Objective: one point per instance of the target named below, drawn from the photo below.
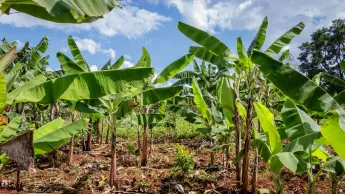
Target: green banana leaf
(205, 39)
(161, 109)
(302, 143)
(67, 65)
(290, 161)
(297, 122)
(263, 149)
(155, 95)
(334, 134)
(333, 80)
(340, 98)
(26, 86)
(78, 57)
(90, 85)
(284, 55)
(266, 119)
(117, 64)
(259, 38)
(296, 86)
(186, 74)
(206, 55)
(10, 79)
(342, 65)
(196, 67)
(4, 48)
(284, 40)
(85, 108)
(199, 100)
(125, 108)
(47, 142)
(183, 81)
(145, 60)
(61, 11)
(10, 130)
(174, 68)
(242, 54)
(226, 97)
(334, 165)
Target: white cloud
(92, 47)
(87, 45)
(93, 68)
(215, 16)
(129, 21)
(49, 69)
(109, 52)
(127, 64)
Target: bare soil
(89, 173)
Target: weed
(184, 162)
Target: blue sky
(153, 24)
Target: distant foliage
(324, 53)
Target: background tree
(324, 53)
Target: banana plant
(60, 11)
(216, 52)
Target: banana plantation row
(245, 101)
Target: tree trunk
(102, 131)
(107, 136)
(238, 131)
(245, 172)
(256, 163)
(144, 154)
(89, 136)
(139, 142)
(70, 151)
(97, 131)
(113, 175)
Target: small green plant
(184, 162)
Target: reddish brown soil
(89, 174)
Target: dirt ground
(89, 173)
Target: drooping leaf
(226, 97)
(42, 46)
(296, 86)
(83, 107)
(10, 130)
(333, 80)
(291, 161)
(259, 38)
(10, 79)
(67, 65)
(90, 85)
(161, 109)
(62, 11)
(125, 108)
(55, 138)
(145, 60)
(172, 69)
(263, 149)
(302, 143)
(334, 134)
(205, 39)
(159, 94)
(334, 165)
(266, 119)
(340, 98)
(297, 122)
(78, 57)
(342, 65)
(285, 39)
(7, 59)
(183, 112)
(199, 100)
(28, 85)
(48, 128)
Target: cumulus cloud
(129, 21)
(216, 16)
(20, 44)
(93, 68)
(91, 46)
(128, 57)
(127, 64)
